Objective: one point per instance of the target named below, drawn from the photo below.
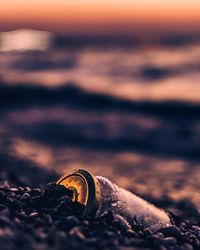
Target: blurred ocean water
(135, 73)
(129, 112)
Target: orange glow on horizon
(88, 13)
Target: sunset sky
(90, 16)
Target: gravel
(35, 218)
(39, 217)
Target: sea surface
(130, 113)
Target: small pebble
(13, 189)
(25, 196)
(188, 246)
(76, 232)
(172, 231)
(36, 218)
(170, 241)
(34, 214)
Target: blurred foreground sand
(142, 174)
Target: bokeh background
(110, 86)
